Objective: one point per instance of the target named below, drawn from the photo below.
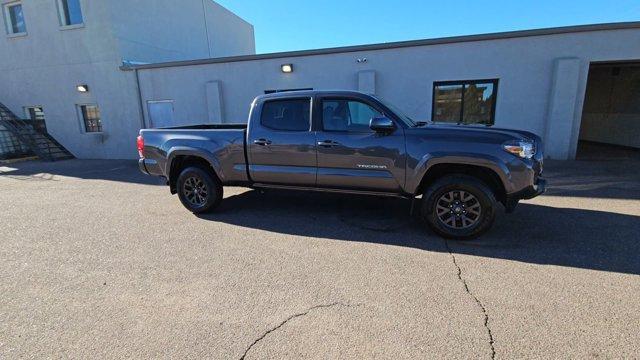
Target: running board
(329, 190)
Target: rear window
(287, 115)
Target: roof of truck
(309, 93)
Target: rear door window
(287, 115)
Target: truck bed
(222, 144)
(207, 127)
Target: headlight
(523, 149)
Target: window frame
(82, 120)
(305, 98)
(9, 23)
(38, 124)
(27, 113)
(278, 91)
(348, 99)
(495, 82)
(62, 17)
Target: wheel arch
(179, 159)
(493, 178)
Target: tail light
(140, 146)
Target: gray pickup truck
(345, 141)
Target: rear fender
(195, 152)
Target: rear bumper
(537, 189)
(149, 167)
(142, 167)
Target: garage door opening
(610, 126)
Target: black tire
(199, 190)
(467, 218)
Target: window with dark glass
(14, 18)
(70, 12)
(347, 115)
(287, 115)
(465, 102)
(91, 118)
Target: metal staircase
(34, 135)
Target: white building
(50, 47)
(565, 84)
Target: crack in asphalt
(291, 318)
(484, 310)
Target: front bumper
(537, 189)
(533, 191)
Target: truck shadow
(536, 234)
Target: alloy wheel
(195, 191)
(458, 209)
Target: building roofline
(396, 45)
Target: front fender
(462, 158)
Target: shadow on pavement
(597, 240)
(109, 170)
(536, 234)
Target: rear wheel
(198, 190)
(459, 207)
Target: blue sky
(285, 25)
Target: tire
(470, 203)
(199, 190)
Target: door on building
(35, 114)
(350, 154)
(610, 125)
(160, 113)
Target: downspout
(141, 106)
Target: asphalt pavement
(100, 261)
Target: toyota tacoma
(349, 142)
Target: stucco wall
(167, 30)
(405, 76)
(48, 45)
(229, 35)
(44, 67)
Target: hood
(470, 129)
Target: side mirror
(382, 125)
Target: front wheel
(459, 207)
(198, 190)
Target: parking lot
(98, 260)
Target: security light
(83, 88)
(287, 68)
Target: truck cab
(325, 140)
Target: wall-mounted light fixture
(287, 68)
(82, 88)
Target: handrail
(33, 128)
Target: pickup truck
(349, 142)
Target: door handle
(262, 142)
(328, 143)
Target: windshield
(407, 120)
